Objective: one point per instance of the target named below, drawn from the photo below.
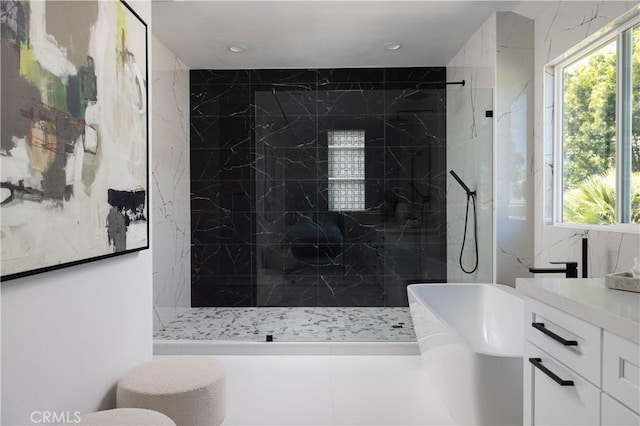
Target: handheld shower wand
(462, 184)
(471, 196)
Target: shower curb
(213, 347)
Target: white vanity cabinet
(549, 402)
(616, 414)
(621, 370)
(577, 373)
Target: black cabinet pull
(537, 362)
(540, 326)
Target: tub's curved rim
(451, 329)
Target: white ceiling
(322, 34)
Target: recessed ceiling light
(392, 46)
(236, 48)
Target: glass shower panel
(332, 268)
(288, 213)
(470, 155)
(415, 225)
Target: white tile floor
(330, 390)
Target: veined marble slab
(171, 197)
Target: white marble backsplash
(171, 214)
(558, 28)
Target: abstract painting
(74, 129)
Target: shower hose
(471, 197)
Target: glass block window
(346, 138)
(346, 170)
(346, 163)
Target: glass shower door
(470, 156)
(287, 196)
(333, 256)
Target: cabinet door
(621, 370)
(553, 404)
(616, 414)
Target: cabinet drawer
(553, 404)
(580, 350)
(621, 370)
(616, 414)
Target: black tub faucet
(571, 271)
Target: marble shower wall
(493, 154)
(470, 153)
(170, 180)
(514, 174)
(262, 231)
(560, 27)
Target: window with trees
(598, 140)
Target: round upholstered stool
(188, 389)
(125, 417)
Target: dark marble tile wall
(222, 189)
(262, 232)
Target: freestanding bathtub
(471, 343)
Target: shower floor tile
(292, 325)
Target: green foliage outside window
(593, 200)
(589, 118)
(589, 137)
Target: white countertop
(616, 311)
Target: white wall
(558, 28)
(171, 186)
(68, 335)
